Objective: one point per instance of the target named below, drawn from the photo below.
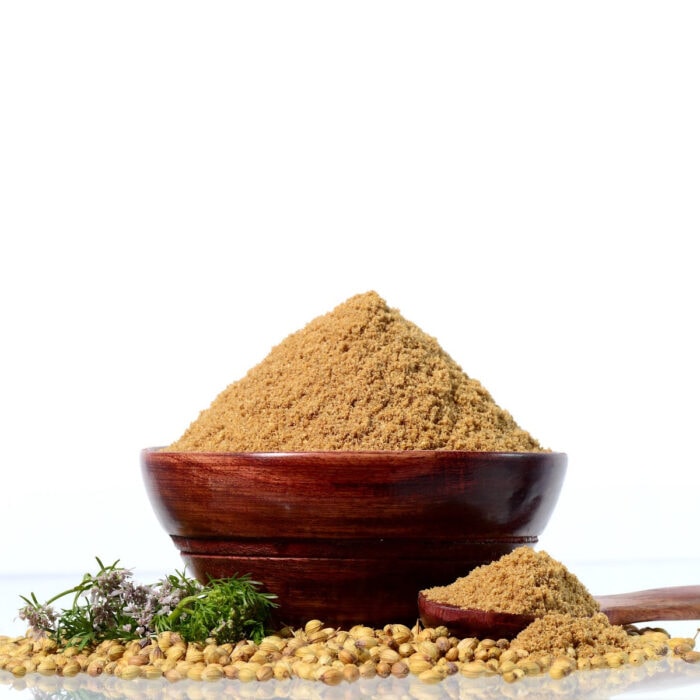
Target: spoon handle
(675, 603)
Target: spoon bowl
(469, 622)
(674, 603)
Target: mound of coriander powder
(360, 377)
(523, 582)
(559, 633)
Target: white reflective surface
(671, 680)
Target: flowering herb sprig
(109, 605)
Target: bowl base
(328, 589)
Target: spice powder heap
(523, 582)
(360, 377)
(558, 633)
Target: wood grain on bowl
(350, 537)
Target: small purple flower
(40, 619)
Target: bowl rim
(359, 453)
(234, 499)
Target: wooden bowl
(350, 537)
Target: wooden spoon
(676, 603)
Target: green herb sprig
(109, 605)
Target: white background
(182, 185)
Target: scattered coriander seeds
(556, 645)
(692, 657)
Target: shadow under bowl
(350, 537)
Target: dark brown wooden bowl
(350, 537)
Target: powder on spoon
(523, 582)
(360, 377)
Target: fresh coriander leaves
(109, 605)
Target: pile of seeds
(333, 656)
(361, 377)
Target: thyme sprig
(109, 605)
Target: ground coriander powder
(582, 637)
(524, 582)
(360, 377)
